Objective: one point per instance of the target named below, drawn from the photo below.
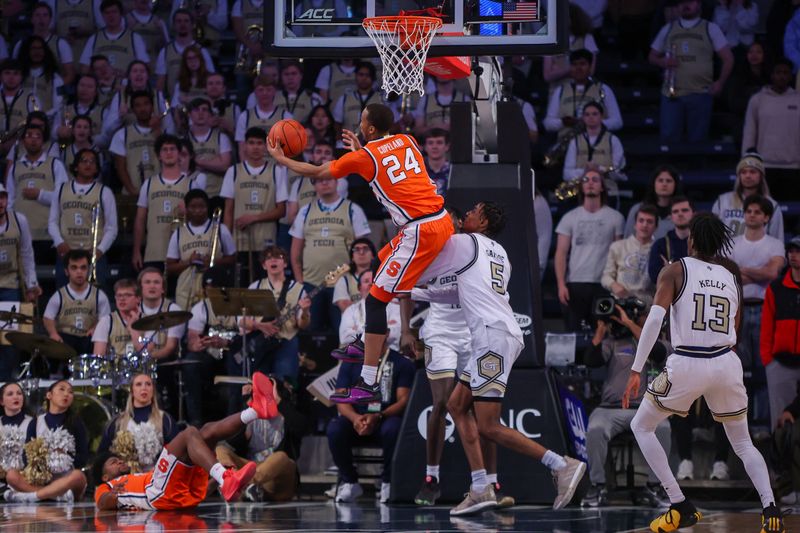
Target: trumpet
(95, 237)
(174, 224)
(669, 72)
(244, 60)
(216, 220)
(569, 189)
(555, 154)
(196, 281)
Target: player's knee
(490, 430)
(13, 476)
(439, 408)
(596, 432)
(375, 311)
(640, 425)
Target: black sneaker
(654, 495)
(429, 492)
(772, 520)
(504, 501)
(360, 393)
(597, 496)
(678, 516)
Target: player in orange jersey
(394, 168)
(180, 477)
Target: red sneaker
(263, 400)
(234, 481)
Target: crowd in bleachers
(144, 124)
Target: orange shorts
(409, 254)
(176, 485)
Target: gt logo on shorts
(393, 269)
(163, 465)
(490, 365)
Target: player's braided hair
(710, 236)
(495, 217)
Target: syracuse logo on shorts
(490, 365)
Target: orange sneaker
(234, 481)
(263, 400)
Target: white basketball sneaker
(685, 470)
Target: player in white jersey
(483, 272)
(448, 348)
(703, 292)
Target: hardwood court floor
(319, 516)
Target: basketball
(290, 135)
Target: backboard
(332, 28)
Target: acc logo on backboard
(316, 15)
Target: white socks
(432, 470)
(248, 415)
(643, 425)
(216, 472)
(553, 461)
(479, 481)
(369, 374)
(21, 497)
(753, 461)
(491, 479)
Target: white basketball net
(403, 44)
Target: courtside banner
(576, 421)
(531, 406)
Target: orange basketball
(290, 134)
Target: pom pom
(37, 472)
(124, 446)
(148, 443)
(61, 450)
(12, 441)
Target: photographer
(614, 346)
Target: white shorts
(684, 379)
(490, 365)
(446, 359)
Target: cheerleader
(66, 451)
(150, 427)
(14, 423)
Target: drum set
(101, 377)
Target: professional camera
(605, 307)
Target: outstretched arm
(298, 167)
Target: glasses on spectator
(87, 160)
(274, 255)
(361, 249)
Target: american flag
(525, 11)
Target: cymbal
(179, 362)
(29, 343)
(10, 316)
(164, 320)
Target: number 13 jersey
(704, 311)
(395, 170)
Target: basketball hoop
(403, 43)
